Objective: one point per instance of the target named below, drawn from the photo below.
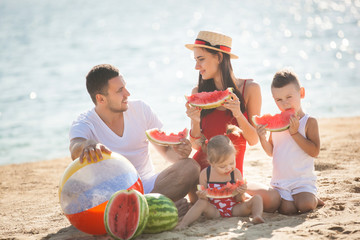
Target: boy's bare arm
(310, 144)
(266, 144)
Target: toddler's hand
(201, 194)
(241, 189)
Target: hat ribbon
(222, 47)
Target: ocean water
(47, 48)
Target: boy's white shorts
(288, 189)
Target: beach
(30, 209)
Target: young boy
(293, 150)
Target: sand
(29, 203)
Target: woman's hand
(233, 104)
(193, 112)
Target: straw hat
(213, 40)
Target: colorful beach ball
(85, 188)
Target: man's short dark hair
(97, 79)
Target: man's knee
(189, 171)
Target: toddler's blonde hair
(220, 147)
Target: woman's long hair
(227, 81)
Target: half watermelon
(161, 138)
(277, 123)
(208, 100)
(223, 192)
(126, 214)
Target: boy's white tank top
(290, 162)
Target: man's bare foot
(257, 220)
(182, 206)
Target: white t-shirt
(133, 144)
(290, 162)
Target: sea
(47, 48)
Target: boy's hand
(260, 129)
(294, 125)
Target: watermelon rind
(211, 105)
(164, 143)
(163, 214)
(286, 126)
(143, 213)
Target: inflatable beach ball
(85, 188)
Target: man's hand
(92, 149)
(183, 149)
(87, 148)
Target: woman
(212, 53)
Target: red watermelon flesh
(224, 192)
(275, 123)
(162, 138)
(208, 100)
(126, 214)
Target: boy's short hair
(97, 79)
(285, 77)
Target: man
(118, 124)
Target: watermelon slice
(277, 123)
(224, 192)
(161, 138)
(126, 214)
(208, 100)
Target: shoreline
(30, 209)
(67, 155)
